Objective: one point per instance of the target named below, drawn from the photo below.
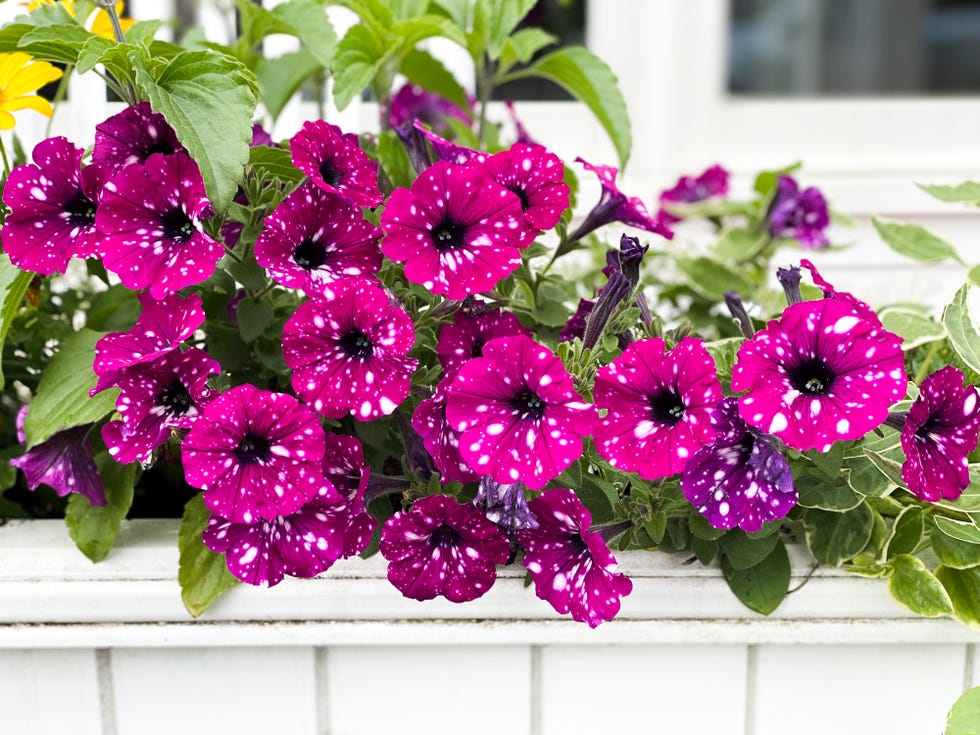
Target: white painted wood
(637, 688)
(815, 690)
(476, 690)
(252, 691)
(42, 690)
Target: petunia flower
(155, 398)
(658, 405)
(465, 338)
(412, 102)
(335, 162)
(440, 439)
(132, 136)
(571, 566)
(575, 327)
(536, 176)
(457, 230)
(940, 431)
(505, 505)
(63, 462)
(518, 413)
(711, 183)
(614, 206)
(52, 208)
(740, 478)
(20, 75)
(862, 308)
(315, 237)
(256, 454)
(443, 547)
(799, 214)
(150, 218)
(523, 136)
(349, 354)
(446, 150)
(820, 374)
(344, 467)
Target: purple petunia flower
(155, 398)
(52, 208)
(457, 230)
(413, 102)
(150, 219)
(505, 505)
(572, 567)
(446, 150)
(315, 237)
(614, 206)
(441, 440)
(536, 176)
(256, 454)
(335, 162)
(464, 339)
(160, 328)
(575, 328)
(301, 544)
(63, 462)
(802, 215)
(260, 136)
(941, 429)
(133, 136)
(688, 189)
(740, 479)
(819, 374)
(518, 413)
(343, 465)
(443, 547)
(348, 354)
(659, 406)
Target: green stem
(109, 6)
(930, 356)
(59, 95)
(485, 84)
(6, 163)
(262, 292)
(234, 256)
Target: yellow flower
(19, 76)
(101, 26)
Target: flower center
(157, 146)
(175, 399)
(310, 255)
(448, 235)
(811, 377)
(444, 537)
(330, 173)
(578, 544)
(356, 345)
(522, 195)
(253, 449)
(667, 407)
(527, 405)
(477, 350)
(177, 226)
(80, 210)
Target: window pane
(859, 47)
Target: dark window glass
(854, 47)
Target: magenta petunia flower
(446, 150)
(335, 162)
(413, 102)
(256, 454)
(740, 479)
(688, 189)
(150, 219)
(799, 214)
(575, 327)
(940, 431)
(571, 566)
(820, 374)
(523, 136)
(457, 230)
(465, 337)
(505, 505)
(659, 406)
(443, 547)
(315, 237)
(132, 136)
(160, 328)
(155, 398)
(862, 308)
(348, 354)
(301, 544)
(63, 462)
(518, 413)
(52, 208)
(343, 465)
(536, 176)
(440, 439)
(614, 206)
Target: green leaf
(724, 352)
(973, 276)
(917, 588)
(92, 52)
(703, 530)
(963, 586)
(281, 77)
(394, 159)
(311, 24)
(764, 586)
(360, 55)
(142, 32)
(954, 552)
(739, 244)
(744, 552)
(62, 398)
(56, 42)
(967, 192)
(963, 334)
(656, 526)
(458, 10)
(827, 494)
(765, 181)
(203, 575)
(403, 9)
(906, 533)
(496, 19)
(890, 468)
(587, 78)
(523, 45)
(830, 462)
(94, 528)
(13, 286)
(274, 163)
(712, 279)
(209, 100)
(915, 329)
(964, 717)
(962, 531)
(914, 241)
(705, 551)
(969, 500)
(424, 69)
(833, 538)
(254, 316)
(247, 272)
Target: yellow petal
(31, 78)
(102, 25)
(7, 121)
(11, 63)
(33, 102)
